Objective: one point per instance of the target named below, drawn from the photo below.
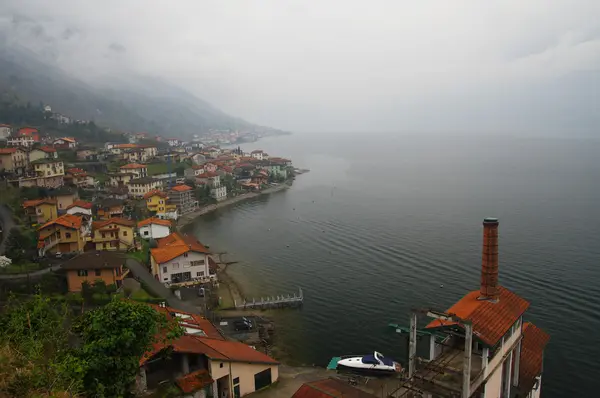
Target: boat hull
(367, 371)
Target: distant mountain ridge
(137, 104)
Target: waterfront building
(179, 258)
(182, 196)
(480, 346)
(203, 363)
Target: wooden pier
(294, 300)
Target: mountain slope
(128, 103)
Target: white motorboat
(375, 363)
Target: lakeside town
(99, 229)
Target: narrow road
(30, 274)
(158, 288)
(7, 222)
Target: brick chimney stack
(489, 262)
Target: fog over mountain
(469, 66)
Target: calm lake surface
(381, 222)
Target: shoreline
(189, 218)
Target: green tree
(35, 359)
(114, 338)
(20, 246)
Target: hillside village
(95, 213)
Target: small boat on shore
(375, 364)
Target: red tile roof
(47, 149)
(81, 203)
(207, 175)
(27, 131)
(194, 381)
(181, 188)
(37, 202)
(154, 220)
(175, 245)
(532, 355)
(328, 388)
(156, 192)
(7, 150)
(133, 166)
(116, 220)
(490, 320)
(68, 139)
(121, 146)
(67, 220)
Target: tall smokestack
(489, 262)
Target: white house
(174, 141)
(5, 130)
(80, 207)
(65, 143)
(258, 154)
(154, 228)
(179, 258)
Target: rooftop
(116, 220)
(81, 203)
(194, 381)
(175, 245)
(37, 202)
(143, 180)
(155, 192)
(66, 220)
(181, 188)
(491, 320)
(94, 260)
(532, 354)
(133, 166)
(154, 220)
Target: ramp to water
(333, 363)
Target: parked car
(242, 324)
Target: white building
(180, 258)
(154, 228)
(80, 207)
(174, 141)
(481, 340)
(23, 140)
(5, 130)
(258, 154)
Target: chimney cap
(490, 220)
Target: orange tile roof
(133, 166)
(532, 355)
(181, 188)
(154, 220)
(7, 150)
(234, 351)
(68, 139)
(194, 381)
(116, 220)
(47, 149)
(156, 192)
(175, 245)
(120, 146)
(66, 220)
(81, 203)
(37, 202)
(490, 320)
(328, 388)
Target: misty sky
(341, 65)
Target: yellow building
(40, 210)
(113, 234)
(13, 159)
(66, 234)
(48, 167)
(156, 201)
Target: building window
(175, 265)
(221, 365)
(145, 233)
(97, 272)
(197, 262)
(67, 235)
(82, 272)
(236, 381)
(165, 270)
(103, 235)
(185, 254)
(201, 273)
(124, 233)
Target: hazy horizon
(486, 67)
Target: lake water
(381, 222)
